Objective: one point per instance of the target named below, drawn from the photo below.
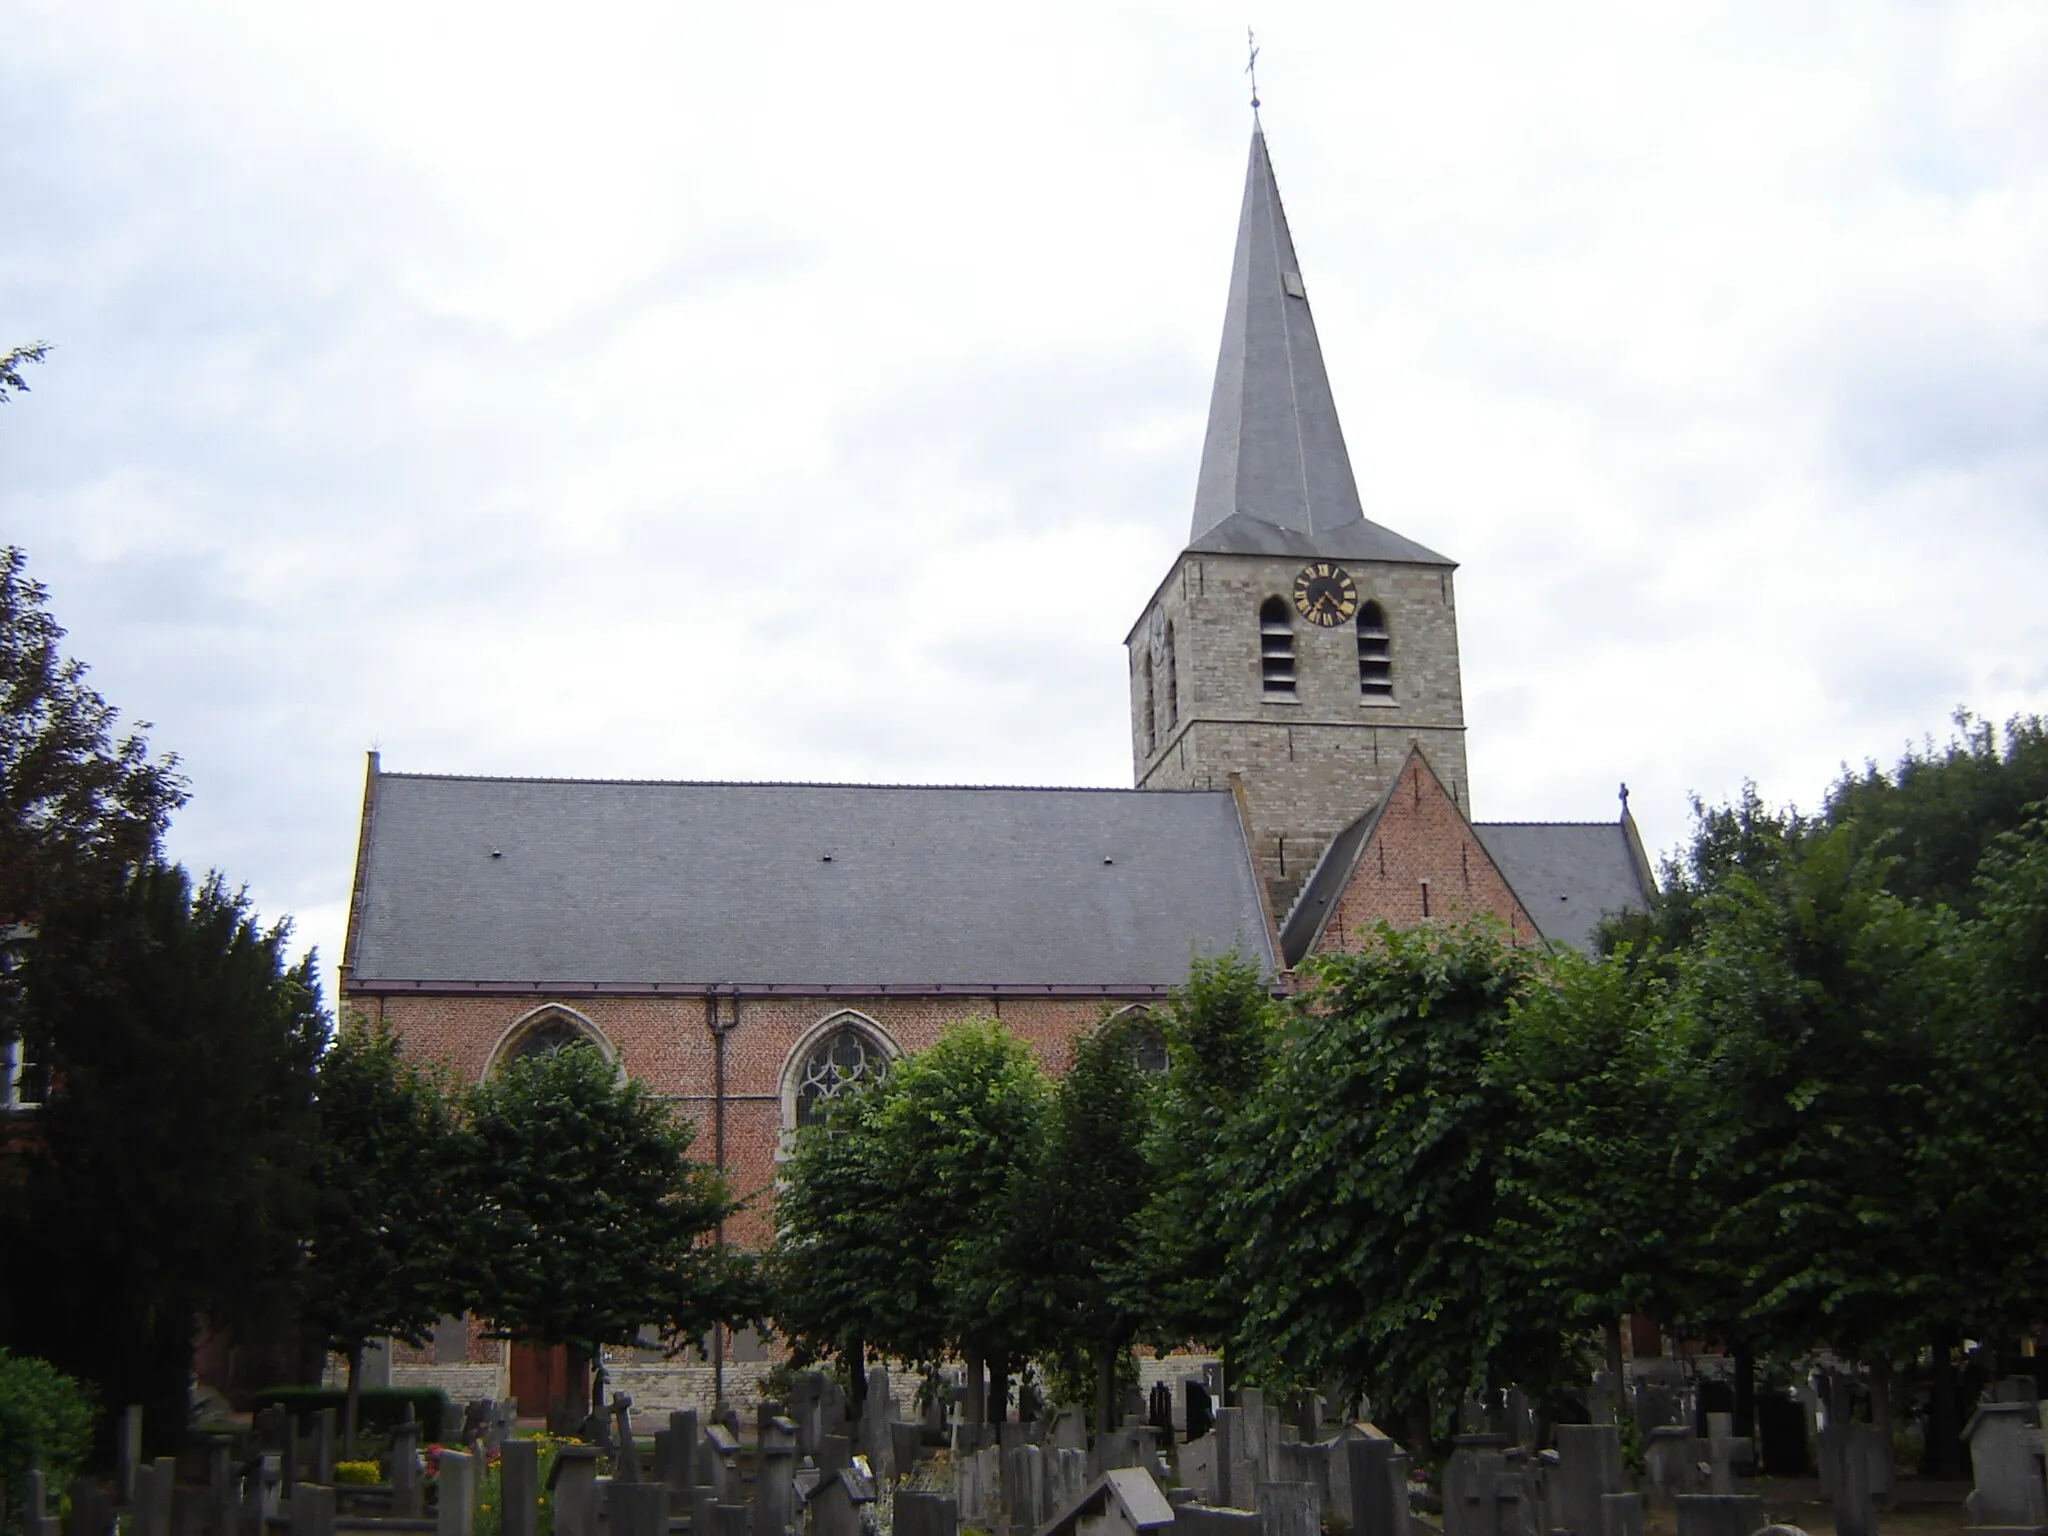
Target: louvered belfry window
(1375, 654)
(1276, 646)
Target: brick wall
(1422, 864)
(667, 1043)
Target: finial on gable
(1624, 799)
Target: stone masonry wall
(1315, 761)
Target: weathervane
(1252, 65)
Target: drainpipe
(720, 1028)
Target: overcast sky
(816, 392)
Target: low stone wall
(462, 1383)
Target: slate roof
(560, 882)
(1276, 478)
(1569, 874)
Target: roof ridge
(1616, 825)
(528, 778)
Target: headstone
(1719, 1514)
(1376, 1486)
(149, 1514)
(626, 1449)
(2005, 1462)
(1588, 1469)
(774, 1504)
(718, 1462)
(807, 1408)
(1066, 1476)
(638, 1509)
(1199, 1410)
(1671, 1460)
(312, 1510)
(90, 1515)
(2016, 1389)
(1781, 1436)
(1482, 1495)
(1024, 1488)
(1858, 1457)
(1195, 1467)
(1233, 1480)
(1287, 1509)
(1295, 1462)
(519, 1488)
(128, 1450)
(402, 1471)
(1621, 1514)
(572, 1483)
(455, 1501)
(906, 1446)
(36, 1520)
(926, 1514)
(220, 1488)
(875, 1414)
(729, 1519)
(1070, 1430)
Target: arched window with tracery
(1375, 653)
(544, 1032)
(1147, 704)
(843, 1055)
(1146, 1040)
(1276, 646)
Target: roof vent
(824, 858)
(1107, 859)
(497, 853)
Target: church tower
(1293, 642)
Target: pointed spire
(1275, 475)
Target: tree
(80, 804)
(387, 1239)
(1598, 1211)
(167, 1179)
(1220, 1029)
(928, 1155)
(11, 381)
(586, 1215)
(1362, 1181)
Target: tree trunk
(1229, 1376)
(1105, 1389)
(855, 1358)
(998, 1388)
(1944, 1426)
(1881, 1415)
(353, 1411)
(1615, 1395)
(1745, 1390)
(977, 1391)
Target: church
(750, 949)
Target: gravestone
(1588, 1469)
(1671, 1462)
(1781, 1436)
(730, 1519)
(1287, 1509)
(128, 1450)
(1195, 1468)
(36, 1518)
(1024, 1488)
(2005, 1462)
(875, 1414)
(312, 1510)
(1296, 1463)
(1483, 1495)
(153, 1488)
(1159, 1411)
(638, 1509)
(572, 1486)
(718, 1462)
(90, 1513)
(455, 1503)
(926, 1514)
(1621, 1514)
(1520, 1418)
(321, 1457)
(1719, 1514)
(1859, 1459)
(774, 1506)
(519, 1488)
(220, 1487)
(1066, 1476)
(402, 1471)
(625, 1449)
(807, 1408)
(906, 1446)
(1376, 1487)
(1199, 1410)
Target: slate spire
(1276, 478)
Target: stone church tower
(1293, 643)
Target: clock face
(1325, 594)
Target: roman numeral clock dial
(1324, 594)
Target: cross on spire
(1251, 66)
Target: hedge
(46, 1425)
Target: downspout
(719, 1029)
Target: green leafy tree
(928, 1155)
(1220, 1031)
(168, 1177)
(1364, 1177)
(1056, 1261)
(586, 1216)
(80, 802)
(46, 1425)
(1599, 1209)
(386, 1257)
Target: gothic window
(546, 1032)
(1145, 668)
(1172, 681)
(842, 1059)
(1375, 654)
(23, 1083)
(1147, 1044)
(1276, 646)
